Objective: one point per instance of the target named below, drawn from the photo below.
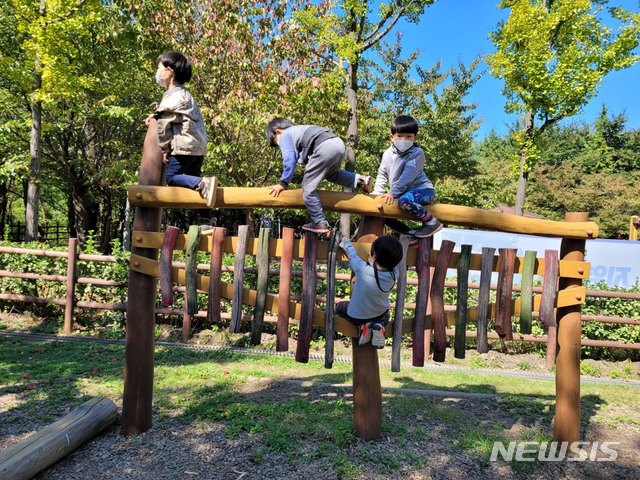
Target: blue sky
(454, 30)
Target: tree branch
(370, 43)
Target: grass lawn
(298, 411)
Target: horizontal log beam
(357, 203)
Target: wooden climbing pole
(138, 362)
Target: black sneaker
(426, 230)
(320, 227)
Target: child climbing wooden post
(138, 363)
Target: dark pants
(342, 307)
(184, 171)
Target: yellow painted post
(634, 223)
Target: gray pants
(323, 163)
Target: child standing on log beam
(181, 132)
(369, 305)
(402, 167)
(321, 152)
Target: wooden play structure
(558, 305)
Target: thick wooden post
(284, 293)
(138, 364)
(566, 425)
(309, 282)
(367, 392)
(71, 285)
(422, 296)
(462, 301)
(262, 284)
(398, 314)
(215, 279)
(484, 296)
(165, 264)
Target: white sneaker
(363, 182)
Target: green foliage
(552, 57)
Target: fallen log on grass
(42, 449)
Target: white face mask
(402, 145)
(159, 80)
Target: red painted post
(71, 285)
(138, 363)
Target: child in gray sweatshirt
(402, 167)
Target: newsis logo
(554, 451)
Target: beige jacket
(180, 126)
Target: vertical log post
(484, 297)
(526, 291)
(215, 275)
(367, 391)
(566, 425)
(504, 293)
(238, 279)
(329, 327)
(262, 284)
(422, 297)
(138, 364)
(191, 280)
(398, 314)
(309, 283)
(548, 303)
(165, 265)
(437, 301)
(284, 291)
(70, 296)
(462, 301)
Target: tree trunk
(4, 190)
(35, 149)
(126, 227)
(352, 139)
(524, 174)
(105, 222)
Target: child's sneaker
(365, 334)
(377, 335)
(363, 182)
(320, 227)
(427, 230)
(207, 189)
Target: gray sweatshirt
(367, 299)
(403, 172)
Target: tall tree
(552, 56)
(47, 28)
